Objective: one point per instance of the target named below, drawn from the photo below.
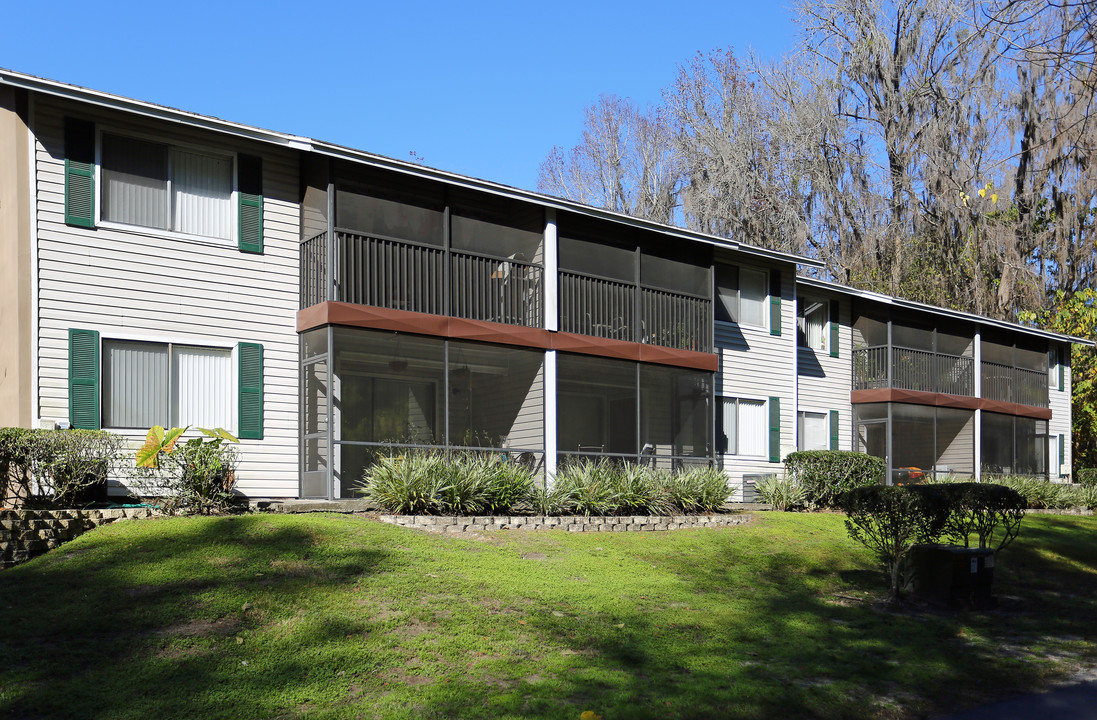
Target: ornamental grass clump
(698, 489)
(638, 490)
(585, 488)
(782, 493)
(432, 483)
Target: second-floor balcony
(879, 367)
(592, 305)
(426, 278)
(418, 277)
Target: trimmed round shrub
(825, 474)
(890, 520)
(991, 512)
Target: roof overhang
(940, 311)
(305, 144)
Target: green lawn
(272, 616)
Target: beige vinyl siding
(529, 424)
(824, 382)
(1060, 423)
(757, 365)
(137, 284)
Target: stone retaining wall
(569, 523)
(27, 533)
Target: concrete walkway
(1070, 702)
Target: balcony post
(978, 411)
(551, 281)
(550, 415)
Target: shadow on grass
(809, 639)
(155, 623)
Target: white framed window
(175, 189)
(812, 318)
(741, 295)
(157, 383)
(743, 427)
(813, 430)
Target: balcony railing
(314, 277)
(390, 273)
(596, 306)
(953, 374)
(913, 370)
(402, 275)
(677, 321)
(505, 291)
(606, 308)
(1014, 384)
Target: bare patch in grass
(200, 628)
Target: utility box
(953, 576)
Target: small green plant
(585, 488)
(196, 476)
(826, 474)
(782, 493)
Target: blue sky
(479, 88)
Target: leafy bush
(782, 493)
(992, 512)
(1087, 477)
(196, 476)
(890, 520)
(825, 474)
(68, 463)
(55, 467)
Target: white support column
(550, 414)
(978, 379)
(552, 284)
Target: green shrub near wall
(825, 474)
(1087, 477)
(55, 467)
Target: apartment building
(327, 304)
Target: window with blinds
(743, 427)
(813, 431)
(146, 384)
(812, 324)
(164, 187)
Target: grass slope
(270, 616)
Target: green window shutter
(79, 173)
(775, 429)
(834, 328)
(1062, 449)
(1062, 374)
(250, 204)
(774, 302)
(833, 429)
(250, 357)
(84, 379)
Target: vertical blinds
(135, 387)
(151, 185)
(753, 426)
(146, 384)
(202, 387)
